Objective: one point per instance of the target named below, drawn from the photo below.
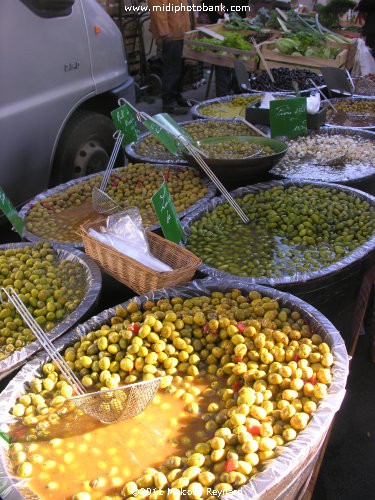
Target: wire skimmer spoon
(109, 405)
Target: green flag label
(167, 215)
(125, 121)
(11, 213)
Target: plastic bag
(266, 99)
(364, 63)
(125, 233)
(313, 104)
(128, 226)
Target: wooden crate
(275, 59)
(211, 53)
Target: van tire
(84, 147)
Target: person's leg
(223, 81)
(172, 71)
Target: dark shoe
(185, 103)
(175, 109)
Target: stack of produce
(294, 23)
(305, 44)
(232, 40)
(249, 372)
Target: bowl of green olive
(238, 160)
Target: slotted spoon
(109, 405)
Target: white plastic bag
(313, 104)
(364, 63)
(125, 233)
(266, 99)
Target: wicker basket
(132, 273)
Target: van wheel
(85, 147)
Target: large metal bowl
(348, 125)
(196, 110)
(28, 235)
(239, 172)
(279, 478)
(359, 176)
(92, 288)
(135, 156)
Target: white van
(62, 71)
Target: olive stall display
(351, 112)
(243, 372)
(331, 155)
(224, 108)
(58, 285)
(57, 214)
(149, 149)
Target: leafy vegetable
(306, 44)
(235, 22)
(233, 40)
(329, 14)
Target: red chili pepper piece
(139, 184)
(230, 465)
(254, 430)
(167, 172)
(237, 359)
(206, 328)
(237, 386)
(313, 379)
(241, 326)
(48, 207)
(133, 327)
(296, 357)
(114, 184)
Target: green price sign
(11, 213)
(125, 121)
(167, 215)
(288, 117)
(165, 136)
